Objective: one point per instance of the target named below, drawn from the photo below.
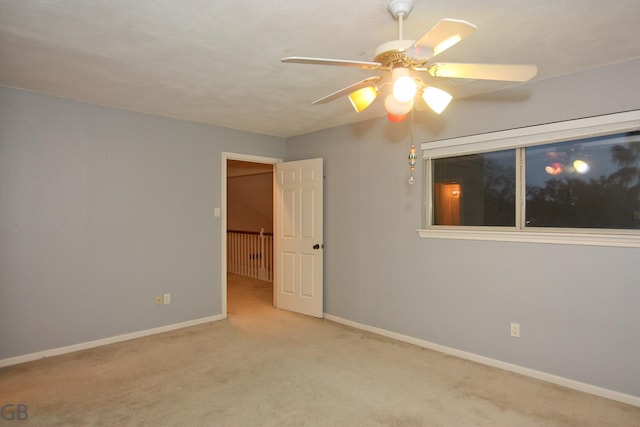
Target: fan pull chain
(412, 154)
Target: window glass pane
(477, 189)
(587, 183)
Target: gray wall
(101, 209)
(578, 306)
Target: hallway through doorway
(248, 295)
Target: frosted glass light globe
(396, 107)
(404, 88)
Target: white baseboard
(566, 382)
(104, 341)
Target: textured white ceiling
(218, 62)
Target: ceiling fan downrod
(400, 9)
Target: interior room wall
(250, 203)
(577, 305)
(102, 209)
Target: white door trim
(223, 215)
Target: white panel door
(298, 237)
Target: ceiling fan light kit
(402, 62)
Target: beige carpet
(266, 367)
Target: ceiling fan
(405, 62)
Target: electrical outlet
(515, 330)
(167, 298)
(159, 299)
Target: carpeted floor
(267, 367)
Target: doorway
(244, 191)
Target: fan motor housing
(393, 53)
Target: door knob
(316, 246)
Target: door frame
(223, 215)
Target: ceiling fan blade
(504, 72)
(441, 37)
(366, 65)
(347, 90)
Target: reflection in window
(588, 183)
(477, 189)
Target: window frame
(518, 139)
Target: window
(568, 182)
(477, 189)
(589, 183)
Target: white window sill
(630, 240)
